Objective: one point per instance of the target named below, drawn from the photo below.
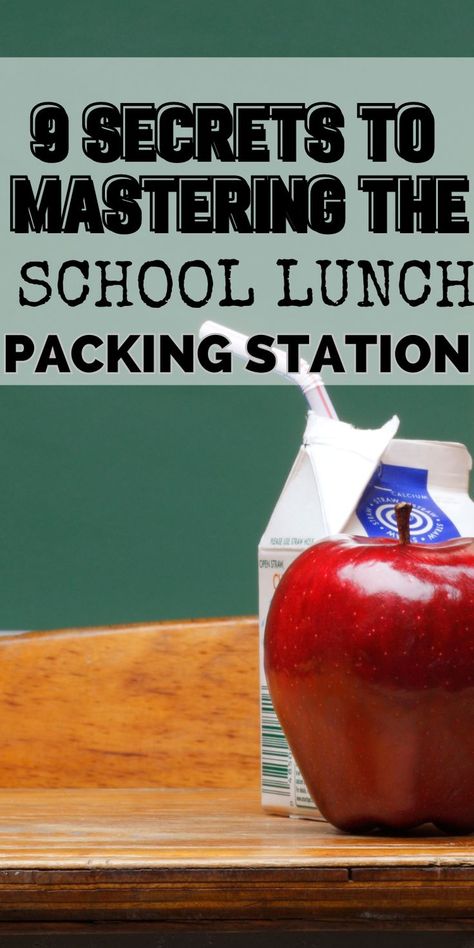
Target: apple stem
(402, 512)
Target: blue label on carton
(392, 484)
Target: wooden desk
(188, 859)
(212, 859)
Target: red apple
(369, 657)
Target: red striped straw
(310, 383)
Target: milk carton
(347, 481)
(344, 481)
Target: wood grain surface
(207, 856)
(176, 705)
(169, 704)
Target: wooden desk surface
(210, 858)
(171, 704)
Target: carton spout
(343, 459)
(311, 384)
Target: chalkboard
(125, 504)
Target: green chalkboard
(125, 504)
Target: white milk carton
(347, 481)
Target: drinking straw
(310, 383)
